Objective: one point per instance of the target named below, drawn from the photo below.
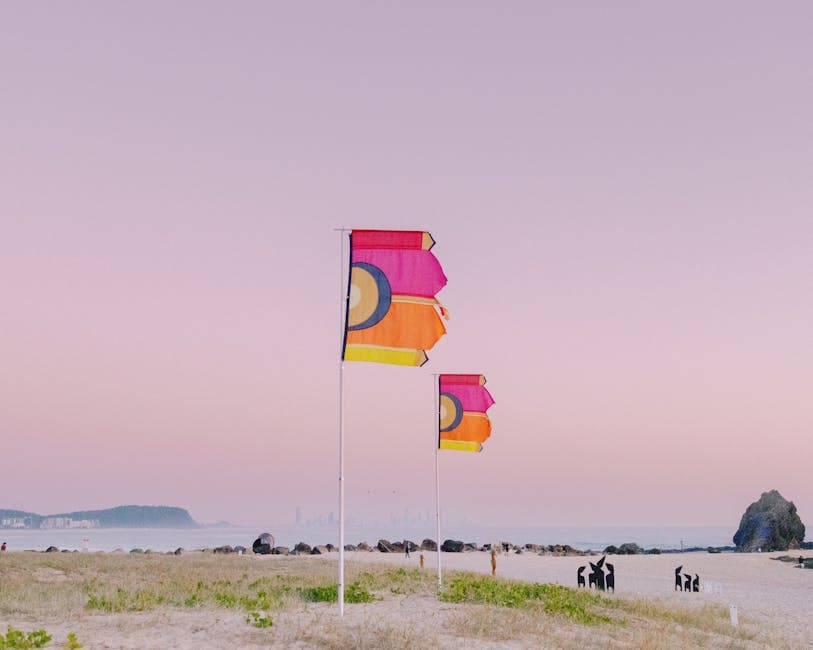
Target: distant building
(67, 522)
(14, 522)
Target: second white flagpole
(342, 313)
(436, 432)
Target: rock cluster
(628, 548)
(770, 524)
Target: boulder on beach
(629, 548)
(363, 546)
(350, 547)
(52, 549)
(179, 551)
(320, 549)
(452, 546)
(770, 524)
(136, 550)
(429, 545)
(240, 550)
(263, 544)
(302, 549)
(280, 550)
(224, 550)
(385, 546)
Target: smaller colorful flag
(462, 421)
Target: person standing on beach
(422, 560)
(493, 561)
(3, 547)
(406, 547)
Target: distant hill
(119, 517)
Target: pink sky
(621, 199)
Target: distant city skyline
(621, 200)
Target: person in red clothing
(3, 547)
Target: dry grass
(202, 600)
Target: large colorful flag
(462, 420)
(392, 313)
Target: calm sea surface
(580, 537)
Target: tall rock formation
(770, 524)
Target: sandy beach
(52, 591)
(775, 594)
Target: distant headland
(118, 517)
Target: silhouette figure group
(597, 578)
(685, 583)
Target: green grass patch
(354, 593)
(19, 639)
(579, 606)
(258, 620)
(260, 595)
(125, 601)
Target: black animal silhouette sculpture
(597, 577)
(580, 576)
(678, 583)
(687, 584)
(696, 583)
(610, 579)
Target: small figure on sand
(406, 547)
(422, 560)
(3, 546)
(493, 561)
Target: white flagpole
(436, 386)
(341, 489)
(342, 311)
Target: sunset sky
(622, 200)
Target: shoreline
(450, 547)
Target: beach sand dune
(774, 594)
(51, 592)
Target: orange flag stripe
(473, 427)
(406, 325)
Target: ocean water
(579, 537)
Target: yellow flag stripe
(377, 354)
(458, 445)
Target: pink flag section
(410, 272)
(472, 398)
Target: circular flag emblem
(370, 296)
(451, 412)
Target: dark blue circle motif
(383, 295)
(458, 412)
